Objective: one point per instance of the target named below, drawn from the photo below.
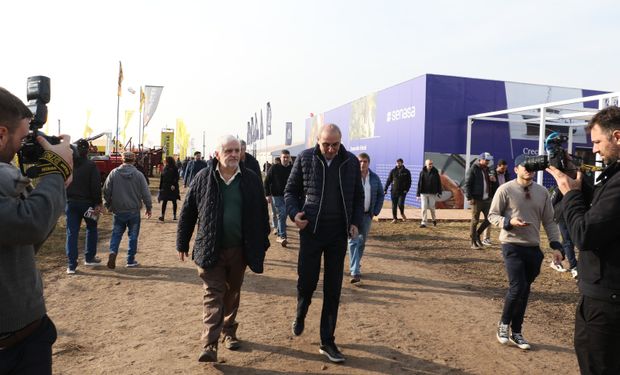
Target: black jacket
(86, 184)
(594, 230)
(474, 183)
(495, 184)
(276, 179)
(429, 182)
(304, 190)
(400, 178)
(169, 178)
(202, 204)
(252, 164)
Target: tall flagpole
(118, 102)
(140, 123)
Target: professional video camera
(557, 157)
(38, 95)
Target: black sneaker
(520, 341)
(298, 326)
(422, 225)
(96, 261)
(332, 353)
(355, 279)
(434, 223)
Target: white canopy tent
(569, 113)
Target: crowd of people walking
(331, 196)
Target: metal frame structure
(572, 117)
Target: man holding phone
(325, 198)
(519, 207)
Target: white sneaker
(487, 242)
(574, 273)
(502, 333)
(557, 266)
(70, 271)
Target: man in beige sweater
(519, 207)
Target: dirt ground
(427, 305)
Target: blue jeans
(280, 210)
(274, 215)
(357, 245)
(131, 221)
(522, 266)
(567, 245)
(75, 213)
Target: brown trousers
(222, 292)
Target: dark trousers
(164, 203)
(478, 207)
(398, 201)
(222, 294)
(597, 328)
(522, 266)
(33, 356)
(331, 241)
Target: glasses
(332, 145)
(527, 192)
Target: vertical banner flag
(182, 138)
(248, 137)
(289, 134)
(167, 142)
(128, 115)
(142, 99)
(152, 95)
(87, 129)
(262, 128)
(253, 130)
(268, 118)
(120, 78)
(257, 128)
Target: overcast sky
(221, 61)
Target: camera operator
(593, 226)
(27, 217)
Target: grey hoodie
(26, 220)
(125, 189)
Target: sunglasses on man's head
(527, 192)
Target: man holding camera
(27, 217)
(593, 226)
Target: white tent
(570, 113)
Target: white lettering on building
(401, 114)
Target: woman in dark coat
(169, 188)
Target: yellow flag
(142, 98)
(120, 77)
(182, 138)
(87, 129)
(128, 114)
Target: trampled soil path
(427, 305)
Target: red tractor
(147, 160)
